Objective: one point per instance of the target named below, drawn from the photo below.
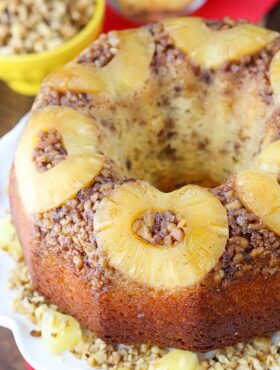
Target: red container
(253, 10)
(28, 367)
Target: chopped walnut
(36, 333)
(49, 151)
(102, 51)
(249, 243)
(33, 26)
(160, 228)
(69, 231)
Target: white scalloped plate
(31, 348)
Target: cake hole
(206, 182)
(49, 150)
(187, 125)
(160, 228)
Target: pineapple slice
(177, 360)
(259, 190)
(180, 265)
(122, 74)
(274, 74)
(59, 332)
(211, 48)
(43, 191)
(269, 159)
(260, 193)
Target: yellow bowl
(25, 73)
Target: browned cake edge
(199, 319)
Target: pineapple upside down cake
(145, 187)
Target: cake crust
(199, 319)
(236, 299)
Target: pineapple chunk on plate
(8, 238)
(59, 332)
(177, 360)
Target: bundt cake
(145, 186)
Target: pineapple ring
(178, 266)
(211, 48)
(274, 75)
(123, 73)
(43, 191)
(263, 200)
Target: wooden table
(12, 108)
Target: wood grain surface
(12, 108)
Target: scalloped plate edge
(31, 348)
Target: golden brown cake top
(182, 101)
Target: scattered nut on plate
(32, 26)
